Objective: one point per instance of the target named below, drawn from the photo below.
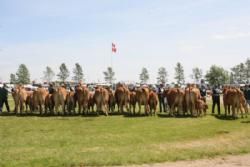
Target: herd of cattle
(103, 99)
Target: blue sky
(151, 34)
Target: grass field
(117, 140)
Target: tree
(109, 75)
(247, 69)
(231, 78)
(162, 75)
(179, 74)
(197, 74)
(48, 74)
(144, 76)
(64, 73)
(23, 75)
(78, 73)
(217, 75)
(239, 73)
(13, 79)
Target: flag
(113, 48)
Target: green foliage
(109, 75)
(217, 75)
(179, 74)
(48, 74)
(144, 76)
(23, 75)
(197, 74)
(78, 73)
(13, 79)
(64, 73)
(239, 73)
(247, 69)
(162, 75)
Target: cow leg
(21, 108)
(225, 107)
(139, 105)
(56, 108)
(130, 109)
(40, 109)
(106, 110)
(134, 109)
(233, 110)
(121, 107)
(241, 111)
(86, 109)
(16, 107)
(146, 109)
(79, 108)
(63, 108)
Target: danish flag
(113, 48)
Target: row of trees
(216, 75)
(23, 76)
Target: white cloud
(234, 35)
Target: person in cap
(4, 98)
(161, 98)
(216, 99)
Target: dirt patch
(226, 161)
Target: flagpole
(111, 59)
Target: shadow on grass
(136, 115)
(176, 116)
(223, 117)
(245, 122)
(37, 114)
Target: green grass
(117, 140)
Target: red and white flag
(113, 48)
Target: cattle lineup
(57, 100)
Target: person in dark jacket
(203, 90)
(4, 98)
(51, 88)
(161, 98)
(216, 99)
(247, 93)
(1, 98)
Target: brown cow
(132, 101)
(192, 95)
(234, 97)
(91, 102)
(70, 101)
(201, 107)
(153, 102)
(38, 98)
(122, 97)
(82, 99)
(49, 103)
(111, 102)
(19, 95)
(142, 97)
(29, 101)
(101, 98)
(175, 98)
(59, 98)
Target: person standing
(216, 99)
(247, 94)
(161, 98)
(1, 98)
(4, 98)
(203, 90)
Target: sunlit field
(34, 140)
